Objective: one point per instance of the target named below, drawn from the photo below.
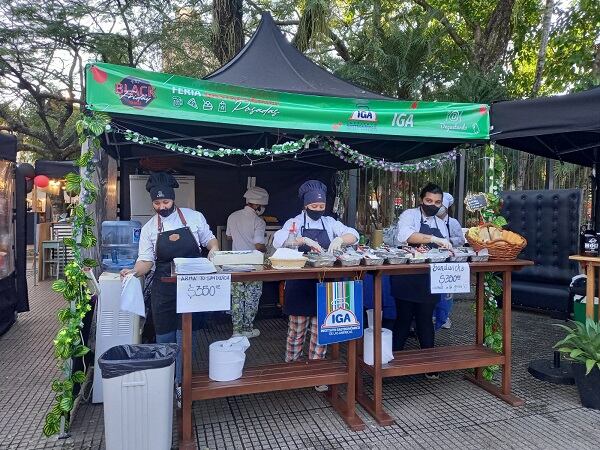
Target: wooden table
(439, 359)
(591, 263)
(275, 377)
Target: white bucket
(226, 359)
(370, 313)
(386, 346)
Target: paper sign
(339, 311)
(198, 293)
(476, 202)
(450, 278)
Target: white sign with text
(199, 293)
(450, 278)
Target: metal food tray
(460, 258)
(320, 262)
(418, 260)
(479, 258)
(393, 260)
(350, 262)
(437, 259)
(373, 261)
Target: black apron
(417, 288)
(179, 243)
(301, 295)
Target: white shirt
(246, 229)
(457, 237)
(410, 223)
(334, 228)
(195, 221)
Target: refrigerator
(141, 205)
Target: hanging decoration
(333, 146)
(41, 181)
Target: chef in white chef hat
(247, 231)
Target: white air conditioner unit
(113, 326)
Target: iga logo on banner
(339, 311)
(403, 120)
(362, 115)
(135, 92)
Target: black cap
(161, 185)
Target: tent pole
(460, 186)
(595, 196)
(352, 198)
(549, 173)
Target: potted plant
(582, 346)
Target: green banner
(125, 90)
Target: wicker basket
(499, 249)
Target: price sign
(476, 202)
(450, 278)
(198, 293)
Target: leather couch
(550, 221)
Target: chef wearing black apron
(317, 232)
(418, 226)
(172, 233)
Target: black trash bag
(123, 359)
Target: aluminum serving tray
(437, 259)
(373, 261)
(459, 258)
(320, 261)
(350, 262)
(418, 260)
(479, 258)
(394, 260)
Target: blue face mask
(314, 215)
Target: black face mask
(314, 215)
(166, 212)
(430, 210)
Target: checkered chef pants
(297, 328)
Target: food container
(287, 264)
(324, 260)
(418, 259)
(347, 260)
(460, 254)
(437, 256)
(394, 258)
(371, 259)
(479, 258)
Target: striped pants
(297, 328)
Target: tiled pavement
(449, 413)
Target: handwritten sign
(476, 202)
(198, 293)
(450, 278)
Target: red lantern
(41, 181)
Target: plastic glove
(211, 253)
(335, 245)
(443, 243)
(312, 244)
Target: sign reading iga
(339, 311)
(135, 92)
(362, 115)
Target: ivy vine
(68, 343)
(492, 332)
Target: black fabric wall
(549, 220)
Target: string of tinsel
(333, 146)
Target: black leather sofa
(550, 221)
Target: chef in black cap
(321, 233)
(171, 233)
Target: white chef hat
(257, 195)
(447, 200)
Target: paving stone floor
(448, 413)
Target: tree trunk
(227, 32)
(545, 36)
(490, 45)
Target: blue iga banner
(339, 311)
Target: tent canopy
(565, 127)
(55, 169)
(269, 61)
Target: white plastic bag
(132, 297)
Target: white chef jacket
(334, 228)
(195, 221)
(410, 223)
(246, 229)
(457, 237)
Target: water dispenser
(120, 240)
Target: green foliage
(582, 343)
(68, 343)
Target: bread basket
(505, 248)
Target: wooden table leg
(186, 438)
(375, 406)
(479, 310)
(504, 393)
(347, 409)
(589, 292)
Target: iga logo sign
(454, 121)
(403, 120)
(362, 115)
(135, 92)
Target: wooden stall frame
(590, 263)
(274, 377)
(439, 359)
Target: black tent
(8, 147)
(269, 61)
(55, 169)
(563, 127)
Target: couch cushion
(547, 297)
